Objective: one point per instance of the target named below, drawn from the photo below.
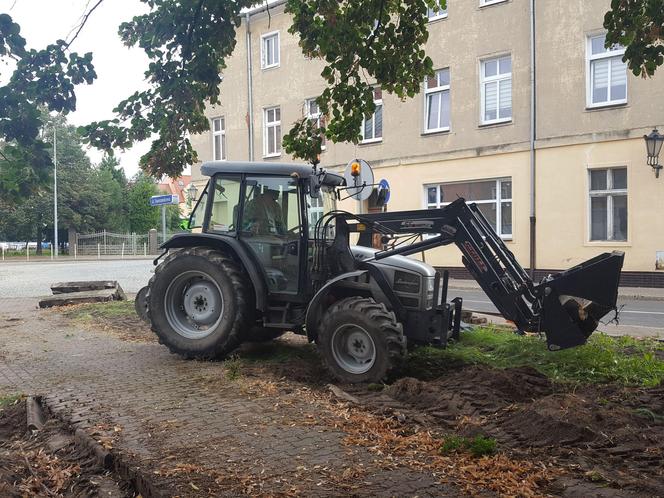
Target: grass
(478, 446)
(10, 399)
(110, 310)
(604, 359)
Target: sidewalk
(71, 259)
(638, 293)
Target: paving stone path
(194, 431)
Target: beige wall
(563, 212)
(562, 116)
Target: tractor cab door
(272, 229)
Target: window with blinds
(496, 90)
(607, 73)
(219, 139)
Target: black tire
(376, 328)
(224, 283)
(141, 304)
(261, 334)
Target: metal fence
(111, 244)
(106, 243)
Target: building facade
(528, 115)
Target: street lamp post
(192, 191)
(654, 143)
(55, 194)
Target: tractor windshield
(198, 213)
(317, 207)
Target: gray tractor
(269, 252)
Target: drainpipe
(533, 137)
(250, 88)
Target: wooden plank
(83, 286)
(98, 296)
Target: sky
(119, 69)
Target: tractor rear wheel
(199, 303)
(360, 340)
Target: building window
(372, 128)
(270, 50)
(607, 73)
(312, 112)
(440, 13)
(490, 2)
(219, 139)
(437, 102)
(608, 204)
(496, 90)
(493, 198)
(272, 132)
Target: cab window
(225, 202)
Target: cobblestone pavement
(195, 430)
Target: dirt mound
(470, 392)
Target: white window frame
(484, 3)
(590, 58)
(271, 127)
(277, 50)
(429, 91)
(609, 192)
(316, 116)
(497, 78)
(222, 140)
(434, 16)
(498, 201)
(374, 139)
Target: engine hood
(399, 262)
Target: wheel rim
(353, 349)
(194, 304)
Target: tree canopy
(638, 25)
(40, 78)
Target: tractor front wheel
(199, 303)
(360, 340)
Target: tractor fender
(317, 305)
(231, 246)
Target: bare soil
(605, 437)
(47, 462)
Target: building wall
(570, 138)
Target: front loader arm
(566, 306)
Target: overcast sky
(119, 69)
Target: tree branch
(84, 20)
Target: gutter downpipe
(533, 137)
(250, 88)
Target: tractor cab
(272, 211)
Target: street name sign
(164, 200)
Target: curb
(107, 459)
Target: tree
(47, 78)
(362, 42)
(142, 216)
(638, 25)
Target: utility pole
(55, 193)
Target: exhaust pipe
(574, 301)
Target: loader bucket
(575, 300)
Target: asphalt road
(34, 279)
(640, 313)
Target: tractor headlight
(431, 284)
(406, 282)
